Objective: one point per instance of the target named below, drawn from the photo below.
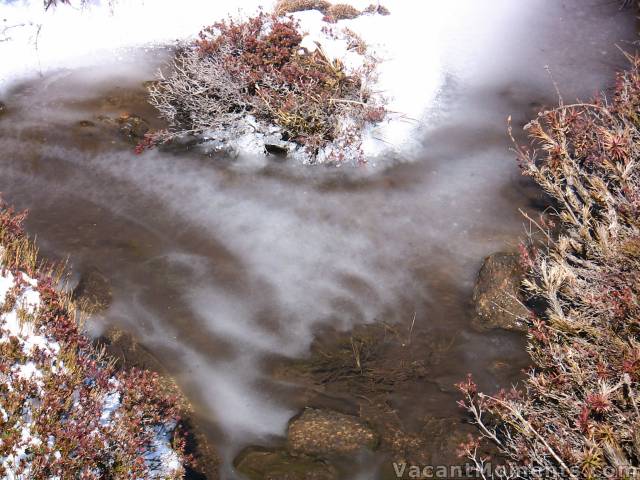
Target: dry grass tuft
(342, 11)
(577, 414)
(379, 9)
(284, 7)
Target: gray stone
(278, 150)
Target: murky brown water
(221, 266)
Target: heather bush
(576, 415)
(256, 72)
(65, 412)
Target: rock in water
(127, 352)
(93, 292)
(132, 127)
(258, 463)
(326, 432)
(3, 108)
(496, 294)
(276, 149)
(85, 124)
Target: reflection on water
(219, 265)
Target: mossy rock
(327, 432)
(277, 464)
(496, 296)
(127, 352)
(93, 292)
(132, 127)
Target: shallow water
(220, 266)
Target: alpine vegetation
(261, 81)
(65, 411)
(577, 414)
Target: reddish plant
(66, 412)
(579, 409)
(257, 67)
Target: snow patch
(408, 43)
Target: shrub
(65, 412)
(355, 41)
(256, 67)
(342, 11)
(291, 6)
(577, 411)
(379, 9)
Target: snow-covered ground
(409, 42)
(33, 363)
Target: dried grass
(284, 7)
(577, 412)
(342, 11)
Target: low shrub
(65, 412)
(342, 11)
(376, 8)
(284, 7)
(577, 414)
(256, 68)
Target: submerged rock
(85, 124)
(326, 432)
(496, 294)
(132, 127)
(265, 464)
(93, 292)
(127, 352)
(3, 108)
(443, 437)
